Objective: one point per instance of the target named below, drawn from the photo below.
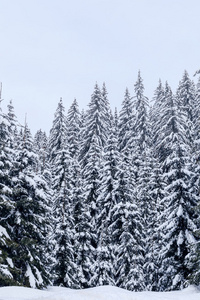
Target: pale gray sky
(54, 48)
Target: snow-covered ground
(98, 293)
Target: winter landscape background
(99, 197)
(107, 198)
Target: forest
(107, 197)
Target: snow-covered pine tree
(142, 164)
(58, 132)
(126, 223)
(40, 147)
(186, 102)
(91, 181)
(195, 183)
(73, 130)
(83, 229)
(29, 226)
(7, 269)
(156, 192)
(63, 267)
(178, 214)
(94, 138)
(142, 125)
(126, 235)
(125, 124)
(13, 124)
(94, 125)
(196, 122)
(156, 119)
(107, 111)
(105, 202)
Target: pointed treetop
(139, 89)
(75, 102)
(168, 88)
(159, 92)
(197, 72)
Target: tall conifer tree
(28, 220)
(7, 270)
(179, 203)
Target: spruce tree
(41, 148)
(186, 102)
(105, 202)
(125, 124)
(106, 108)
(7, 269)
(62, 238)
(94, 125)
(195, 183)
(29, 225)
(126, 230)
(142, 164)
(94, 139)
(82, 227)
(73, 130)
(156, 119)
(178, 201)
(58, 132)
(13, 124)
(64, 224)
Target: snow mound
(97, 293)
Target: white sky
(60, 48)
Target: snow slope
(98, 293)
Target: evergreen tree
(91, 155)
(41, 148)
(58, 132)
(73, 131)
(94, 126)
(186, 102)
(178, 201)
(126, 233)
(81, 228)
(125, 125)
(91, 180)
(62, 238)
(106, 108)
(195, 183)
(13, 123)
(7, 205)
(156, 119)
(64, 224)
(155, 188)
(29, 225)
(142, 164)
(141, 126)
(105, 202)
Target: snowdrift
(97, 293)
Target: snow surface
(97, 293)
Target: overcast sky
(61, 48)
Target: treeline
(106, 198)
